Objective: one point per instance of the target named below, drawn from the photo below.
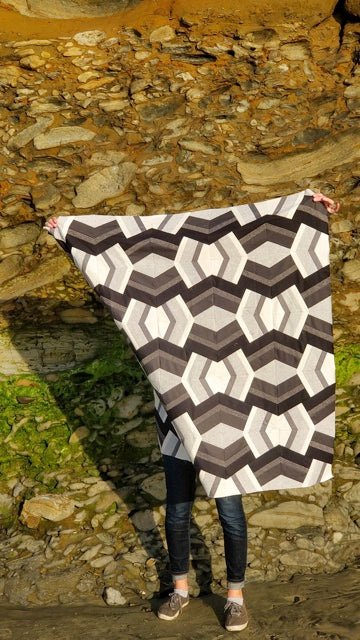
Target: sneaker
(236, 617)
(172, 607)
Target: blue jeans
(180, 477)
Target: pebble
(89, 38)
(351, 270)
(81, 433)
(155, 486)
(145, 520)
(91, 553)
(98, 563)
(32, 62)
(113, 597)
(162, 34)
(26, 135)
(195, 145)
(61, 136)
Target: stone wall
(191, 114)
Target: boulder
(51, 507)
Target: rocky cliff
(163, 111)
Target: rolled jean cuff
(179, 576)
(232, 584)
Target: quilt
(229, 313)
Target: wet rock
(296, 512)
(61, 136)
(50, 507)
(26, 135)
(108, 183)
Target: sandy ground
(306, 608)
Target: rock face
(68, 8)
(251, 11)
(158, 116)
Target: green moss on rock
(347, 360)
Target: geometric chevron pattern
(229, 313)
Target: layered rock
(182, 115)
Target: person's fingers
(331, 206)
(51, 223)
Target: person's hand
(331, 206)
(51, 224)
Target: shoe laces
(175, 601)
(233, 607)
